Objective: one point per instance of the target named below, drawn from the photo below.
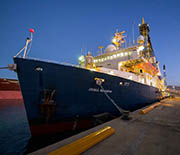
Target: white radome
(110, 48)
(140, 39)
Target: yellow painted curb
(84, 143)
(148, 109)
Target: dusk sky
(66, 29)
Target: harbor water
(15, 137)
(14, 131)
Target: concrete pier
(155, 132)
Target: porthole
(39, 69)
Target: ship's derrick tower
(144, 31)
(148, 52)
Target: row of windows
(113, 57)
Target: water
(14, 131)
(15, 137)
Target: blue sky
(66, 29)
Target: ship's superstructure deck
(137, 59)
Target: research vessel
(120, 78)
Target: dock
(154, 131)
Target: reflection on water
(14, 131)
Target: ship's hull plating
(77, 94)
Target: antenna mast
(133, 33)
(27, 43)
(164, 74)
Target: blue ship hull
(77, 94)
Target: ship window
(114, 55)
(130, 53)
(142, 80)
(151, 84)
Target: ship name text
(99, 90)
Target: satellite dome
(110, 48)
(140, 39)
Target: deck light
(140, 48)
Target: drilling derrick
(144, 31)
